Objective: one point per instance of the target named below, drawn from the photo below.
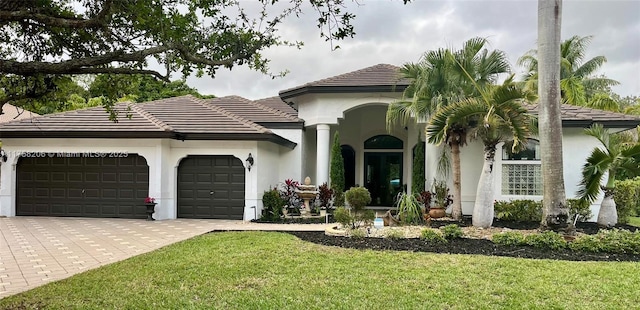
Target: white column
(322, 148)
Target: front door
(383, 176)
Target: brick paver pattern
(37, 250)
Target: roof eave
(236, 137)
(628, 124)
(85, 134)
(282, 125)
(295, 92)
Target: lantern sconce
(249, 162)
(3, 155)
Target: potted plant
(150, 203)
(441, 200)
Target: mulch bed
(472, 246)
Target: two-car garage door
(82, 184)
(87, 185)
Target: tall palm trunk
(456, 211)
(555, 212)
(483, 207)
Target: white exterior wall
(163, 157)
(576, 148)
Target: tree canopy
(42, 42)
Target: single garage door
(82, 184)
(211, 187)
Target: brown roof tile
(85, 120)
(184, 117)
(378, 78)
(252, 110)
(276, 102)
(576, 116)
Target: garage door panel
(198, 176)
(82, 186)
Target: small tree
(336, 174)
(418, 177)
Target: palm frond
(573, 91)
(589, 67)
(592, 173)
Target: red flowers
(149, 200)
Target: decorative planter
(437, 213)
(323, 212)
(285, 211)
(150, 210)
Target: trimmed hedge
(531, 211)
(627, 198)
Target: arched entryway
(383, 168)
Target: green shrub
(343, 216)
(357, 233)
(619, 241)
(418, 171)
(587, 243)
(272, 205)
(432, 235)
(510, 238)
(394, 234)
(581, 208)
(358, 198)
(336, 171)
(546, 240)
(609, 241)
(518, 210)
(452, 231)
(353, 219)
(627, 198)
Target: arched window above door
(385, 142)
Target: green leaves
(616, 157)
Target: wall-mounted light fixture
(3, 155)
(249, 162)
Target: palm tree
(577, 81)
(616, 157)
(555, 213)
(437, 80)
(495, 116)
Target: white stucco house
(214, 158)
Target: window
(521, 172)
(383, 142)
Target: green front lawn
(268, 270)
(635, 221)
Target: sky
(389, 32)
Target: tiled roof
(378, 78)
(85, 120)
(182, 118)
(253, 110)
(12, 113)
(576, 116)
(276, 103)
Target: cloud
(390, 32)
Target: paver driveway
(37, 250)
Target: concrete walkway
(38, 250)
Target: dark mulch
(472, 246)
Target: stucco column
(322, 159)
